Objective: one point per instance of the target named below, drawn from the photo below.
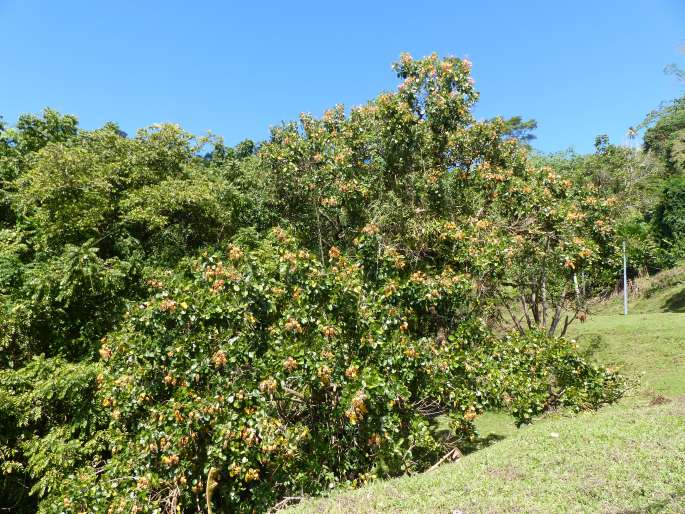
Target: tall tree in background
(521, 130)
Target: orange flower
(155, 284)
(234, 253)
(167, 305)
(142, 483)
(418, 276)
(358, 408)
(352, 371)
(293, 325)
(290, 364)
(390, 288)
(268, 386)
(249, 435)
(375, 440)
(170, 460)
(280, 234)
(219, 359)
(105, 353)
(251, 475)
(324, 374)
(411, 353)
(234, 470)
(371, 229)
(334, 252)
(217, 286)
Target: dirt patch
(679, 404)
(659, 400)
(508, 473)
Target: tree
(520, 130)
(669, 215)
(666, 138)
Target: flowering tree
(233, 345)
(565, 241)
(266, 373)
(439, 189)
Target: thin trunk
(535, 308)
(555, 320)
(525, 310)
(567, 323)
(543, 294)
(516, 322)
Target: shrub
(285, 376)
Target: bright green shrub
(49, 426)
(62, 305)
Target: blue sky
(579, 67)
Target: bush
(284, 376)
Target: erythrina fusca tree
(441, 189)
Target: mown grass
(629, 457)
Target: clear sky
(580, 67)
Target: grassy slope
(629, 457)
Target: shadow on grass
(675, 302)
(481, 442)
(660, 506)
(591, 344)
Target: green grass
(629, 457)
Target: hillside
(629, 457)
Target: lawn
(629, 457)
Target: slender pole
(625, 281)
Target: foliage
(669, 216)
(520, 129)
(636, 180)
(34, 402)
(666, 138)
(188, 324)
(566, 252)
(289, 376)
(645, 250)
